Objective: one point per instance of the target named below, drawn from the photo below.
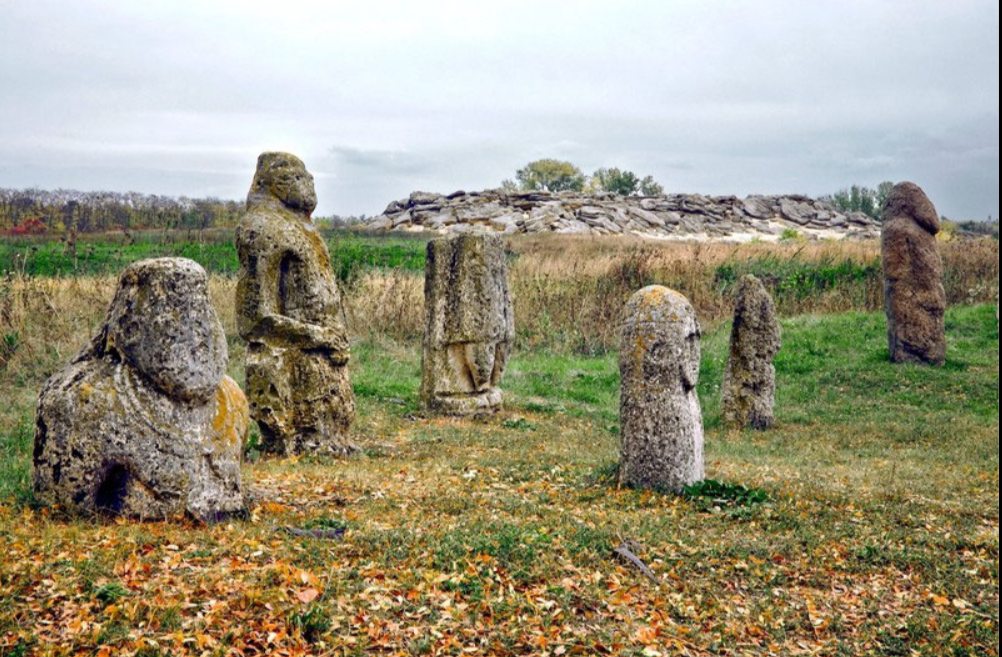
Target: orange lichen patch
(232, 420)
(86, 391)
(654, 295)
(319, 248)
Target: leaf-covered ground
(869, 525)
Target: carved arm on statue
(283, 331)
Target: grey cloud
(385, 97)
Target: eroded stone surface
(289, 311)
(470, 325)
(749, 394)
(660, 417)
(914, 296)
(143, 423)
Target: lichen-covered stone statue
(660, 417)
(470, 326)
(289, 312)
(749, 394)
(914, 296)
(144, 423)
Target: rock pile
(470, 325)
(680, 217)
(289, 312)
(913, 278)
(660, 415)
(144, 423)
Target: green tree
(651, 187)
(509, 186)
(862, 199)
(623, 183)
(883, 194)
(551, 176)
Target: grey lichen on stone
(289, 311)
(470, 325)
(749, 396)
(660, 416)
(143, 423)
(914, 296)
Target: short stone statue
(749, 396)
(660, 416)
(470, 325)
(289, 312)
(144, 423)
(914, 296)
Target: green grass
(16, 440)
(352, 253)
(796, 279)
(864, 524)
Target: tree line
(60, 212)
(550, 175)
(859, 198)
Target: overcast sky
(384, 97)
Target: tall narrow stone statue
(289, 312)
(914, 296)
(660, 417)
(750, 382)
(144, 423)
(470, 326)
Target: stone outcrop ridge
(683, 217)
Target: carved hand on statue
(480, 359)
(287, 332)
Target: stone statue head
(665, 332)
(163, 325)
(908, 200)
(284, 177)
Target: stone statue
(289, 312)
(660, 417)
(914, 296)
(144, 423)
(750, 382)
(470, 325)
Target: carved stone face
(163, 324)
(692, 352)
(663, 337)
(908, 200)
(284, 177)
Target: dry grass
(568, 292)
(879, 536)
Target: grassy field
(568, 292)
(109, 254)
(868, 525)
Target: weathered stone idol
(144, 423)
(914, 296)
(660, 417)
(749, 394)
(289, 312)
(470, 325)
